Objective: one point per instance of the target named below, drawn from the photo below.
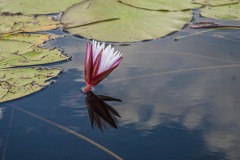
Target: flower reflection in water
(100, 113)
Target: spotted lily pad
(36, 6)
(110, 20)
(168, 5)
(17, 53)
(3, 89)
(215, 2)
(36, 39)
(23, 23)
(19, 82)
(23, 50)
(227, 12)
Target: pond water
(180, 101)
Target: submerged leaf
(110, 20)
(167, 5)
(211, 25)
(23, 23)
(19, 82)
(228, 12)
(215, 2)
(36, 6)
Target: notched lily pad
(36, 39)
(36, 6)
(16, 53)
(110, 20)
(4, 87)
(167, 5)
(19, 82)
(23, 50)
(22, 23)
(227, 12)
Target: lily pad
(22, 50)
(168, 5)
(36, 39)
(17, 53)
(19, 82)
(23, 23)
(3, 89)
(110, 20)
(215, 2)
(227, 12)
(36, 6)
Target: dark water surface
(180, 101)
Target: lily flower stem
(87, 88)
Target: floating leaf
(4, 86)
(215, 2)
(36, 6)
(22, 23)
(199, 25)
(228, 12)
(16, 53)
(21, 50)
(110, 20)
(19, 82)
(168, 5)
(36, 39)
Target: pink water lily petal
(96, 48)
(88, 52)
(89, 68)
(98, 78)
(99, 63)
(116, 63)
(108, 58)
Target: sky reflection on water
(168, 111)
(1, 113)
(205, 100)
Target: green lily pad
(22, 50)
(23, 23)
(3, 89)
(19, 82)
(36, 6)
(36, 39)
(16, 53)
(227, 12)
(215, 2)
(168, 5)
(110, 20)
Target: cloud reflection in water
(1, 113)
(203, 100)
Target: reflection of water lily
(99, 63)
(101, 113)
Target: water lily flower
(99, 63)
